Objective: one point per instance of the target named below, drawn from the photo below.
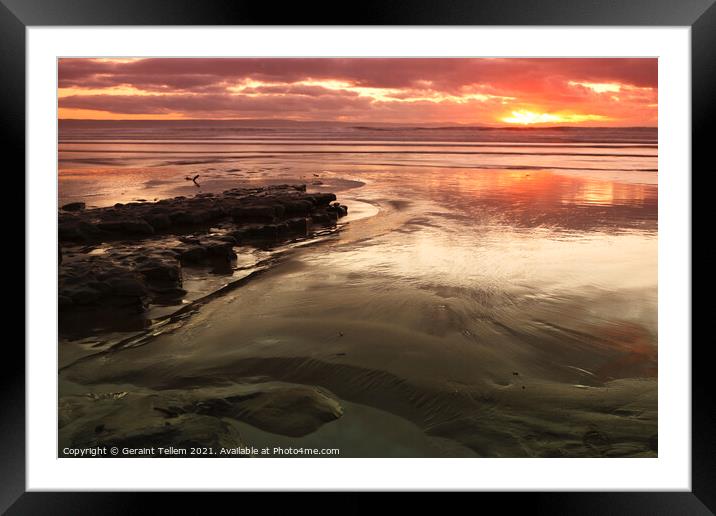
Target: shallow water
(500, 298)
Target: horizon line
(363, 124)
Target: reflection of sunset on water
(446, 257)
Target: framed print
(436, 249)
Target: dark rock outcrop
(181, 215)
(128, 256)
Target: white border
(671, 471)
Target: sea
(493, 288)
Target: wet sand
(459, 312)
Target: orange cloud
(618, 92)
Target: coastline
(301, 326)
(483, 297)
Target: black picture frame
(699, 15)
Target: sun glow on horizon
(97, 114)
(526, 117)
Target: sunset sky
(510, 91)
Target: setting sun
(525, 117)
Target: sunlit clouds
(598, 87)
(618, 92)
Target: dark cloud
(235, 104)
(244, 87)
(449, 74)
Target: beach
(488, 292)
